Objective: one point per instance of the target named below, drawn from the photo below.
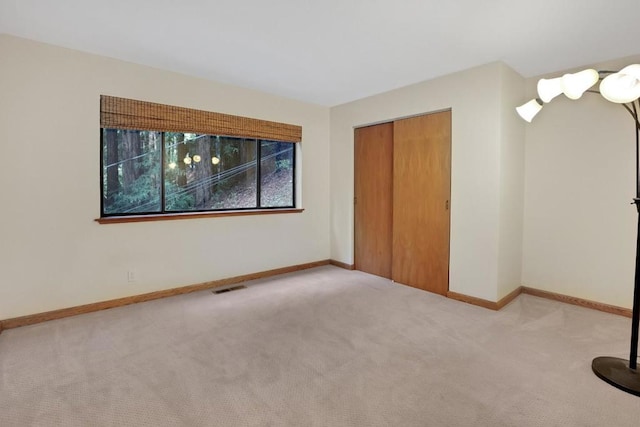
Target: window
(166, 171)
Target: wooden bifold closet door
(402, 200)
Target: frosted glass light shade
(632, 70)
(529, 110)
(574, 85)
(623, 86)
(549, 88)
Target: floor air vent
(235, 288)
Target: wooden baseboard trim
(472, 300)
(491, 305)
(620, 311)
(88, 308)
(119, 302)
(342, 265)
(510, 297)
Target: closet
(402, 191)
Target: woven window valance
(122, 113)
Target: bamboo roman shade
(122, 113)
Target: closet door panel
(421, 192)
(373, 198)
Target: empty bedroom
(305, 213)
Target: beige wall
(54, 255)
(511, 183)
(480, 160)
(579, 228)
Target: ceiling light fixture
(574, 85)
(622, 87)
(549, 88)
(529, 110)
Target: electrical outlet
(131, 276)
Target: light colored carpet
(322, 347)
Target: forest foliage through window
(147, 172)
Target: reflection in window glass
(131, 171)
(205, 172)
(167, 172)
(276, 170)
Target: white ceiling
(333, 51)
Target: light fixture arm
(633, 110)
(635, 315)
(634, 114)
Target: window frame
(163, 214)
